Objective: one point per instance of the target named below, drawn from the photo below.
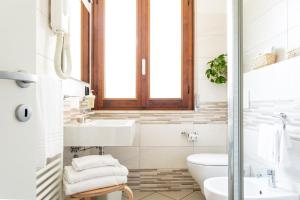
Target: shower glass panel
(264, 109)
(270, 103)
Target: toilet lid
(209, 159)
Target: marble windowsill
(212, 106)
(145, 112)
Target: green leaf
(217, 71)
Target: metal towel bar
(23, 79)
(284, 119)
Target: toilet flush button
(23, 113)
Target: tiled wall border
(210, 113)
(154, 180)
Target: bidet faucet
(272, 178)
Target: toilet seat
(208, 159)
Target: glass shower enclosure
(264, 105)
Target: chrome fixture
(70, 96)
(283, 117)
(191, 136)
(23, 79)
(83, 118)
(272, 178)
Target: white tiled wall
(281, 82)
(210, 41)
(162, 146)
(164, 157)
(50, 85)
(211, 135)
(164, 135)
(267, 24)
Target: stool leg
(128, 192)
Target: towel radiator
(49, 181)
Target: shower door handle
(23, 79)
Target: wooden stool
(99, 192)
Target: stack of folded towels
(93, 172)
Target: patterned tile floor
(182, 195)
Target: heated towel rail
(49, 181)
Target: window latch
(143, 66)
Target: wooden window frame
(143, 102)
(85, 44)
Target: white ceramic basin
(254, 188)
(100, 133)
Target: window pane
(75, 38)
(165, 49)
(120, 49)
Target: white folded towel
(93, 184)
(73, 176)
(93, 161)
(268, 143)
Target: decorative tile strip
(210, 113)
(154, 180)
(262, 112)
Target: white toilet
(208, 165)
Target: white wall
(267, 24)
(161, 146)
(210, 41)
(50, 86)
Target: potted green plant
(217, 71)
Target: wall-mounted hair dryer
(60, 26)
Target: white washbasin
(254, 188)
(100, 133)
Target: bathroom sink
(255, 188)
(100, 133)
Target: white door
(17, 139)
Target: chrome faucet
(272, 178)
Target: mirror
(79, 29)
